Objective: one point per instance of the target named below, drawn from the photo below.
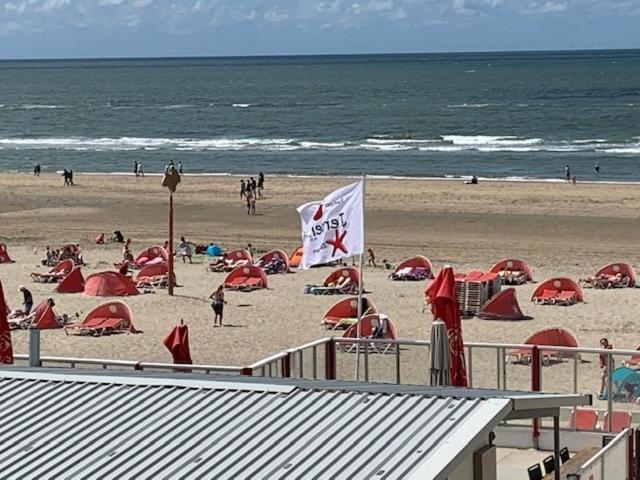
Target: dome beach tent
(376, 326)
(296, 257)
(344, 313)
(414, 268)
(612, 276)
(110, 317)
(246, 279)
(56, 274)
(269, 261)
(341, 281)
(151, 255)
(553, 336)
(155, 275)
(109, 284)
(72, 283)
(558, 291)
(231, 260)
(502, 306)
(4, 255)
(513, 271)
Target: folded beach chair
(61, 270)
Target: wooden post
(330, 359)
(535, 387)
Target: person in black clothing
(65, 175)
(36, 170)
(243, 189)
(27, 303)
(70, 177)
(135, 168)
(260, 184)
(254, 184)
(118, 237)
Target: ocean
(494, 115)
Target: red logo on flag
(318, 215)
(338, 242)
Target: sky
(150, 28)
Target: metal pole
(397, 363)
(170, 252)
(535, 387)
(609, 394)
(556, 446)
(34, 348)
(470, 367)
(361, 268)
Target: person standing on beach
(243, 189)
(185, 250)
(36, 170)
(180, 167)
(27, 303)
(218, 304)
(567, 173)
(65, 175)
(140, 171)
(260, 184)
(135, 168)
(71, 177)
(249, 197)
(605, 364)
(254, 185)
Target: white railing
(613, 462)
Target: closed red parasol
(441, 293)
(6, 352)
(177, 342)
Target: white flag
(333, 228)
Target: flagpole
(361, 282)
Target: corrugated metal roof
(54, 426)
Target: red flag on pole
(6, 352)
(441, 293)
(177, 342)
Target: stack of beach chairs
(474, 289)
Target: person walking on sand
(253, 204)
(254, 185)
(605, 364)
(218, 304)
(567, 173)
(135, 168)
(243, 189)
(372, 258)
(185, 250)
(36, 170)
(140, 171)
(71, 177)
(249, 203)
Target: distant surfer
(597, 167)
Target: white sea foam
(37, 106)
(470, 105)
(241, 105)
(589, 140)
(474, 140)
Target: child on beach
(185, 250)
(218, 304)
(372, 258)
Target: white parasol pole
(361, 282)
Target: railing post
(330, 359)
(34, 348)
(398, 363)
(609, 393)
(286, 365)
(247, 371)
(535, 387)
(137, 366)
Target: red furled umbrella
(177, 342)
(441, 293)
(6, 352)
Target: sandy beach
(558, 228)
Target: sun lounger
(548, 297)
(56, 275)
(565, 298)
(511, 277)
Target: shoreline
(452, 179)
